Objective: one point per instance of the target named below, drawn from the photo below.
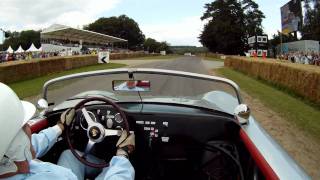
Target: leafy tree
(153, 45)
(23, 38)
(150, 45)
(230, 22)
(225, 30)
(311, 27)
(164, 46)
(253, 18)
(122, 26)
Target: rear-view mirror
(131, 85)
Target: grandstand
(60, 37)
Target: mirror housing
(42, 105)
(242, 113)
(131, 85)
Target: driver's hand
(125, 144)
(67, 117)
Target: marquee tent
(40, 49)
(9, 50)
(19, 50)
(32, 48)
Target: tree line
(231, 22)
(311, 27)
(23, 38)
(121, 26)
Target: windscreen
(163, 88)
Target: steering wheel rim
(79, 106)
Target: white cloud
(39, 14)
(184, 32)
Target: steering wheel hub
(96, 133)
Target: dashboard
(162, 122)
(169, 138)
(104, 114)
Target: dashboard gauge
(109, 123)
(109, 115)
(118, 118)
(83, 122)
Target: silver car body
(283, 166)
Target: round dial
(118, 118)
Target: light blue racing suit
(120, 167)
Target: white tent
(32, 48)
(9, 50)
(19, 50)
(40, 49)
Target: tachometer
(118, 118)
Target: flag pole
(281, 51)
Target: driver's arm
(45, 139)
(120, 168)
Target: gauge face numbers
(118, 118)
(83, 122)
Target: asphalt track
(160, 85)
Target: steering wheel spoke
(87, 117)
(89, 146)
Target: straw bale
(303, 80)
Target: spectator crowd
(311, 58)
(5, 56)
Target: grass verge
(302, 114)
(33, 87)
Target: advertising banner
(291, 16)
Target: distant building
(302, 46)
(60, 37)
(258, 45)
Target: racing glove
(67, 117)
(125, 144)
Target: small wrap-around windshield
(164, 88)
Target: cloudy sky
(175, 21)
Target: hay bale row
(115, 56)
(23, 70)
(303, 80)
